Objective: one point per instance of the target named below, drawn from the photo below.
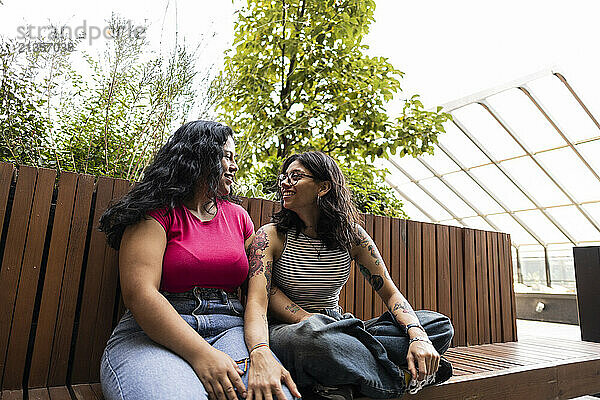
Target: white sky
(448, 49)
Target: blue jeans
(134, 367)
(334, 349)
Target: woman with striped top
(308, 250)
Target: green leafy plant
(300, 80)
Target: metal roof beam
(536, 101)
(427, 192)
(457, 193)
(512, 133)
(411, 201)
(489, 193)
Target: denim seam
(115, 375)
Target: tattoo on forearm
(274, 289)
(402, 307)
(374, 280)
(268, 271)
(255, 254)
(293, 308)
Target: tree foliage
(300, 80)
(104, 115)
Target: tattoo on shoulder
(255, 254)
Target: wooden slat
(97, 389)
(513, 300)
(494, 286)
(429, 267)
(255, 209)
(470, 287)
(483, 297)
(414, 281)
(13, 256)
(529, 384)
(444, 305)
(38, 394)
(510, 354)
(552, 345)
(505, 292)
(379, 226)
(244, 203)
(403, 273)
(59, 393)
(28, 281)
(457, 287)
(12, 395)
(578, 379)
(481, 360)
(38, 376)
(108, 290)
(368, 289)
(6, 176)
(395, 244)
(84, 392)
(92, 287)
(486, 356)
(266, 212)
(387, 254)
(68, 295)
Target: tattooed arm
(422, 358)
(369, 262)
(265, 373)
(284, 309)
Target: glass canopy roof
(523, 158)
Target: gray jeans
(334, 349)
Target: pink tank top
(207, 254)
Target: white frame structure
(481, 99)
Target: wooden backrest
(463, 273)
(59, 295)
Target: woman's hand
(265, 377)
(422, 359)
(219, 374)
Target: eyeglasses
(294, 177)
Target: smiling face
(304, 193)
(229, 167)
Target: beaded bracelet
(419, 339)
(256, 346)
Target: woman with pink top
(182, 241)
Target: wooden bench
(59, 296)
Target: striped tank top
(309, 273)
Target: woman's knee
(140, 369)
(438, 327)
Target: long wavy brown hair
(338, 217)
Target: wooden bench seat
(60, 298)
(531, 369)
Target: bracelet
(256, 346)
(415, 326)
(419, 339)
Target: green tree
(300, 80)
(104, 114)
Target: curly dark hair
(191, 155)
(338, 217)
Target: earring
(318, 201)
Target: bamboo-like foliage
(104, 115)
